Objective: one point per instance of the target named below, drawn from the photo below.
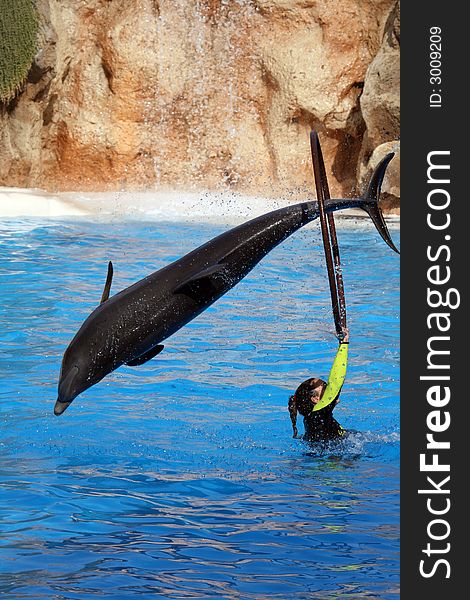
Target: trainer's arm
(336, 377)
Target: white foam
(18, 202)
(155, 205)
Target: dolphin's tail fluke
(371, 197)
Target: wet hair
(301, 400)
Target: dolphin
(128, 328)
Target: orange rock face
(139, 94)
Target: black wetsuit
(321, 426)
(320, 423)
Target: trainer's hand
(344, 335)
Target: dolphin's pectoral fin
(107, 285)
(205, 283)
(143, 358)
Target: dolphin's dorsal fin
(143, 358)
(107, 285)
(204, 283)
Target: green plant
(19, 28)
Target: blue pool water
(180, 478)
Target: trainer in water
(129, 327)
(315, 399)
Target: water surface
(180, 478)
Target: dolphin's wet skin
(179, 477)
(128, 328)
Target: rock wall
(380, 107)
(138, 94)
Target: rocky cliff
(199, 94)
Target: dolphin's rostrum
(128, 328)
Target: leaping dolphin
(128, 328)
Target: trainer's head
(307, 396)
